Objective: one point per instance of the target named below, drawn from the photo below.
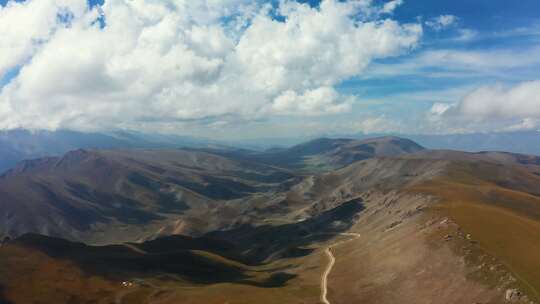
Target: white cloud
(465, 35)
(519, 101)
(25, 25)
(524, 124)
(439, 109)
(390, 6)
(530, 30)
(492, 107)
(312, 102)
(161, 63)
(441, 22)
(380, 124)
(460, 63)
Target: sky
(238, 69)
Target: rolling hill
(101, 196)
(21, 144)
(443, 226)
(111, 196)
(325, 153)
(403, 224)
(241, 264)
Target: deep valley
(403, 225)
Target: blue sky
(474, 68)
(497, 27)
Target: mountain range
(20, 144)
(379, 220)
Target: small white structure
(127, 284)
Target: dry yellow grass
(503, 221)
(29, 276)
(32, 277)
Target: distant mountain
(18, 145)
(87, 195)
(107, 196)
(398, 224)
(326, 153)
(213, 229)
(525, 142)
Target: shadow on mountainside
(119, 262)
(263, 243)
(222, 256)
(3, 300)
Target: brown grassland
(504, 221)
(30, 276)
(405, 254)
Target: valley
(269, 152)
(330, 221)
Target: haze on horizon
(269, 151)
(248, 69)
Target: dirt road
(331, 262)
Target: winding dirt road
(331, 262)
(134, 248)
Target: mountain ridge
(468, 216)
(325, 153)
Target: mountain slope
(326, 153)
(89, 194)
(126, 195)
(20, 144)
(472, 217)
(59, 271)
(429, 226)
(499, 207)
(527, 142)
(172, 269)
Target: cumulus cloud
(524, 124)
(439, 109)
(25, 25)
(312, 102)
(519, 101)
(390, 6)
(128, 64)
(441, 22)
(509, 108)
(380, 124)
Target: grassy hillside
(114, 196)
(271, 262)
(36, 269)
(440, 227)
(326, 154)
(499, 207)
